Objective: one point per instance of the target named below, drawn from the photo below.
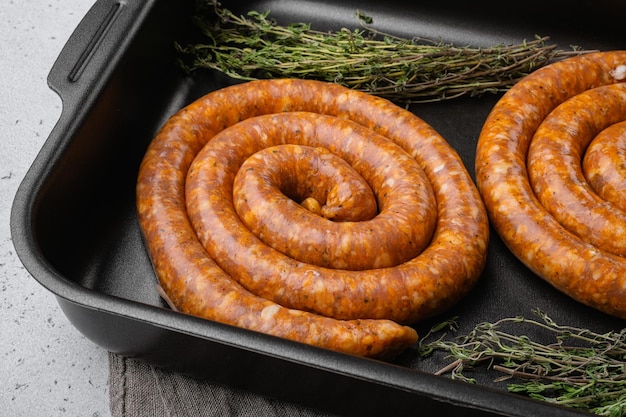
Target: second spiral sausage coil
(528, 168)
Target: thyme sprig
(409, 70)
(580, 368)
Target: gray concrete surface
(47, 368)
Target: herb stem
(409, 70)
(581, 368)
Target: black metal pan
(75, 227)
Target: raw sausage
(429, 283)
(303, 173)
(423, 286)
(583, 271)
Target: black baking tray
(75, 229)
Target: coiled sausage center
(554, 166)
(226, 196)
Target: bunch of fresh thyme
(407, 70)
(581, 369)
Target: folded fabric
(138, 389)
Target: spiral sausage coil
(373, 222)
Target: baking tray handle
(104, 29)
(79, 75)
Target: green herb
(580, 369)
(410, 70)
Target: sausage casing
(425, 285)
(578, 268)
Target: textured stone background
(47, 368)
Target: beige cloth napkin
(137, 389)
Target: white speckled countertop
(48, 368)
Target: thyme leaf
(581, 368)
(254, 46)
